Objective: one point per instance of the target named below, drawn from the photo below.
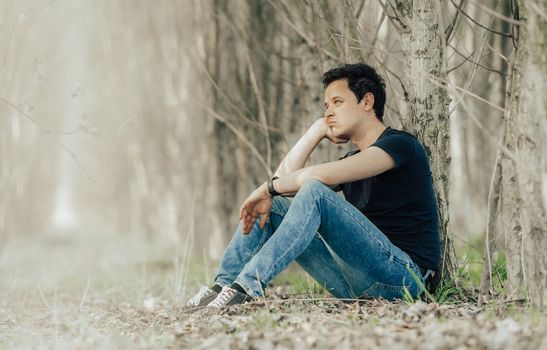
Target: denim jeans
(330, 239)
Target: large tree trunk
(428, 105)
(524, 210)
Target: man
(382, 238)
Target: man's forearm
(300, 152)
(367, 163)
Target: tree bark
(526, 245)
(429, 118)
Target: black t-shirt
(401, 201)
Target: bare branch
(228, 100)
(495, 14)
(539, 9)
(398, 17)
(262, 116)
(240, 134)
(438, 80)
(467, 59)
(484, 41)
(507, 35)
(92, 130)
(494, 195)
(360, 9)
(450, 28)
(49, 133)
(505, 151)
(303, 35)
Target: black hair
(361, 79)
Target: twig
(506, 151)
(44, 298)
(450, 29)
(495, 14)
(238, 133)
(441, 81)
(466, 58)
(493, 210)
(303, 35)
(485, 42)
(477, 23)
(360, 9)
(450, 70)
(49, 134)
(82, 302)
(397, 18)
(124, 124)
(473, 73)
(189, 243)
(538, 9)
(86, 130)
(262, 118)
(523, 265)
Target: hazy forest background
(131, 131)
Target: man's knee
(280, 205)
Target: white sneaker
(228, 297)
(200, 300)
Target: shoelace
(225, 295)
(203, 292)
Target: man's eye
(337, 103)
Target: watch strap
(271, 187)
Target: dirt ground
(111, 291)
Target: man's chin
(340, 135)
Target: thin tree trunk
(429, 111)
(489, 245)
(216, 242)
(510, 203)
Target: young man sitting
(380, 239)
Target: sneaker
(200, 300)
(228, 297)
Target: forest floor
(121, 292)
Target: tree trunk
(429, 118)
(523, 202)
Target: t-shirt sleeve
(400, 147)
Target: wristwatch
(271, 187)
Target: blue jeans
(330, 239)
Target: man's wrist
(318, 129)
(271, 188)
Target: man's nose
(329, 112)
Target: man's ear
(368, 101)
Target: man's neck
(369, 135)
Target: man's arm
(259, 203)
(300, 152)
(367, 163)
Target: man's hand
(258, 203)
(326, 130)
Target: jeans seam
(346, 284)
(261, 243)
(324, 196)
(356, 220)
(278, 213)
(280, 258)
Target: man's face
(342, 111)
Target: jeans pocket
(386, 291)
